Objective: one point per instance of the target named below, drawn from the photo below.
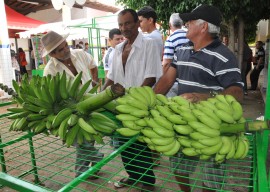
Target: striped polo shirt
(211, 68)
(176, 39)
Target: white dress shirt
(143, 62)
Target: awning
(17, 22)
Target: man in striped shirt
(176, 39)
(202, 66)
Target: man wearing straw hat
(72, 62)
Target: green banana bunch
(53, 104)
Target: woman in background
(22, 61)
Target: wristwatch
(213, 93)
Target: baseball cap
(207, 13)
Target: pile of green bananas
(169, 125)
(60, 106)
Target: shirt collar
(136, 43)
(215, 43)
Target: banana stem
(244, 127)
(100, 99)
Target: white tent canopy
(75, 32)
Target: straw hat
(51, 41)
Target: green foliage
(251, 11)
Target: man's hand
(195, 97)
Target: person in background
(32, 57)
(73, 62)
(246, 65)
(225, 40)
(202, 67)
(115, 37)
(86, 48)
(148, 19)
(15, 65)
(22, 61)
(136, 62)
(81, 45)
(174, 41)
(258, 62)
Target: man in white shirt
(136, 62)
(115, 37)
(72, 62)
(148, 18)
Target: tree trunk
(231, 36)
(240, 43)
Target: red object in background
(17, 22)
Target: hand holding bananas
(210, 128)
(59, 106)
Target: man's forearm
(166, 64)
(235, 91)
(94, 74)
(149, 82)
(107, 83)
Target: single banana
(162, 98)
(209, 122)
(183, 129)
(184, 142)
(141, 122)
(151, 94)
(127, 132)
(208, 104)
(177, 119)
(246, 142)
(240, 148)
(132, 125)
(155, 113)
(164, 111)
(164, 132)
(227, 145)
(197, 136)
(221, 98)
(180, 100)
(205, 157)
(231, 153)
(162, 140)
(224, 116)
(211, 141)
(197, 145)
(164, 148)
(86, 126)
(189, 151)
(126, 117)
(237, 110)
(140, 113)
(149, 132)
(163, 122)
(125, 108)
(211, 150)
(229, 98)
(204, 129)
(219, 158)
(173, 150)
(187, 116)
(137, 104)
(224, 107)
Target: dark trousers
(23, 70)
(138, 162)
(254, 76)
